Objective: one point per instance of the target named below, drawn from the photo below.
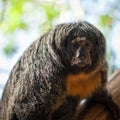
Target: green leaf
(10, 48)
(106, 20)
(51, 11)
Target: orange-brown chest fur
(83, 84)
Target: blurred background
(23, 21)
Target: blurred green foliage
(12, 16)
(13, 13)
(10, 48)
(106, 20)
(52, 12)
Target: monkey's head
(80, 45)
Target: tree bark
(98, 111)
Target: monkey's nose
(75, 61)
(82, 57)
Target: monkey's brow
(81, 38)
(78, 39)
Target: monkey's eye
(75, 45)
(87, 45)
(83, 42)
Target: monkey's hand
(67, 111)
(102, 97)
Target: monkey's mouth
(80, 63)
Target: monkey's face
(81, 46)
(80, 49)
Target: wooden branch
(98, 111)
